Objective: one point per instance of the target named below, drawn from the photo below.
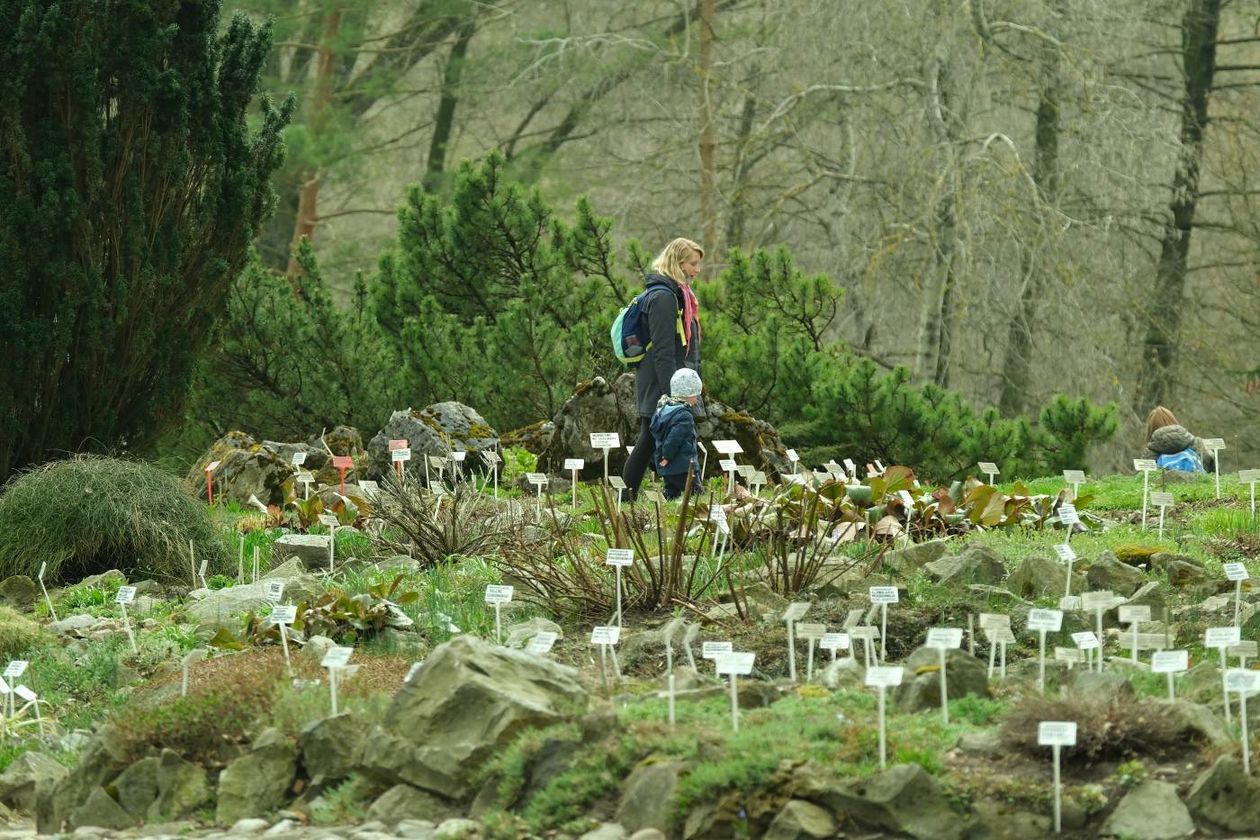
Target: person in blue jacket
(674, 432)
(672, 335)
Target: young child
(674, 432)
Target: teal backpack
(628, 342)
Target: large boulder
(904, 800)
(1039, 576)
(1151, 811)
(647, 796)
(976, 564)
(19, 592)
(965, 674)
(333, 747)
(100, 811)
(102, 759)
(403, 802)
(801, 820)
(438, 430)
(470, 700)
(1108, 572)
(222, 607)
(1226, 797)
(246, 468)
(256, 783)
(598, 406)
(29, 771)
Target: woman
(672, 329)
(1165, 437)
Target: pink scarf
(691, 311)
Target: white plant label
(1144, 465)
(849, 466)
(571, 464)
(541, 643)
(1070, 603)
(25, 693)
(1048, 620)
(1074, 476)
(458, 456)
(1247, 649)
(619, 557)
(1213, 444)
(616, 482)
(16, 668)
(988, 467)
(712, 650)
(1242, 680)
(43, 567)
(1098, 600)
(1068, 514)
(944, 637)
(491, 458)
(1001, 636)
(746, 471)
(539, 479)
(1070, 655)
(884, 595)
(811, 631)
(795, 611)
(1130, 613)
(728, 465)
(398, 456)
(887, 676)
(735, 663)
(994, 621)
(1248, 476)
(337, 657)
(606, 635)
(605, 440)
(1219, 637)
(834, 641)
(1161, 499)
(1170, 661)
(906, 499)
(1085, 640)
(126, 594)
(274, 590)
(792, 456)
(306, 478)
(299, 458)
(329, 519)
(1065, 552)
(1056, 733)
(497, 593)
(284, 614)
(1236, 571)
(727, 447)
(369, 487)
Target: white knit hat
(684, 383)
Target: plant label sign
(15, 669)
(1101, 599)
(1068, 515)
(573, 464)
(337, 657)
(619, 557)
(727, 447)
(1085, 640)
(850, 467)
(458, 456)
(884, 676)
(1213, 444)
(811, 631)
(616, 482)
(834, 641)
(735, 663)
(1245, 649)
(399, 456)
(398, 443)
(498, 593)
(906, 500)
(306, 477)
(369, 487)
(1056, 733)
(491, 457)
(212, 466)
(994, 621)
(537, 479)
(329, 519)
(884, 595)
(298, 459)
(1236, 571)
(25, 693)
(1072, 656)
(1159, 499)
(988, 467)
(1001, 636)
(1170, 661)
(605, 440)
(728, 465)
(793, 457)
(1248, 476)
(284, 614)
(274, 590)
(541, 643)
(1049, 620)
(1134, 613)
(1065, 552)
(605, 635)
(746, 471)
(652, 497)
(1144, 465)
(712, 650)
(1221, 637)
(126, 594)
(944, 637)
(343, 462)
(1242, 680)
(1074, 476)
(795, 611)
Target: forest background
(933, 208)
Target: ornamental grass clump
(89, 514)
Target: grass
(89, 514)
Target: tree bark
(1199, 26)
(444, 125)
(708, 146)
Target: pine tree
(130, 189)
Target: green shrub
(18, 634)
(89, 514)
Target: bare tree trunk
(1199, 26)
(708, 146)
(321, 100)
(738, 218)
(444, 126)
(1017, 364)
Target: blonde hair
(1158, 419)
(669, 261)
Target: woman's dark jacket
(662, 316)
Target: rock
(1182, 574)
(534, 438)
(1198, 722)
(985, 742)
(647, 794)
(999, 821)
(72, 624)
(332, 748)
(19, 592)
(844, 673)
(470, 700)
(606, 831)
(316, 647)
(976, 564)
(223, 607)
(647, 834)
(403, 802)
(1151, 595)
(1108, 572)
(311, 550)
(922, 687)
(136, 788)
(316, 455)
(246, 468)
(903, 799)
(1150, 811)
(102, 811)
(1161, 560)
(1226, 797)
(913, 557)
(1039, 576)
(799, 820)
(112, 578)
(518, 635)
(183, 787)
(1099, 687)
(255, 783)
(457, 829)
(436, 430)
(103, 757)
(416, 829)
(24, 775)
(249, 825)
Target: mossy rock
(19, 634)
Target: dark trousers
(675, 485)
(637, 463)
